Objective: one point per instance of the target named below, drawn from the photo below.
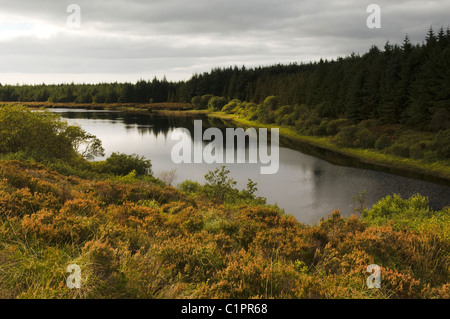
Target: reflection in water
(305, 186)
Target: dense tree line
(399, 84)
(140, 92)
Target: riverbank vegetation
(133, 236)
(397, 148)
(396, 139)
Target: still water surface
(305, 186)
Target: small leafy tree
(189, 186)
(231, 106)
(221, 187)
(347, 136)
(384, 141)
(124, 164)
(204, 101)
(271, 103)
(217, 103)
(266, 111)
(359, 203)
(219, 184)
(251, 189)
(196, 102)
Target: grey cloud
(144, 36)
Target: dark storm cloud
(179, 37)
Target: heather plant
(142, 239)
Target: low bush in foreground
(143, 240)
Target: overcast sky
(129, 40)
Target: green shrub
(289, 119)
(231, 107)
(44, 136)
(412, 213)
(263, 116)
(266, 111)
(321, 130)
(441, 144)
(123, 164)
(252, 113)
(399, 149)
(384, 141)
(189, 186)
(271, 103)
(365, 138)
(417, 151)
(196, 102)
(440, 119)
(282, 114)
(334, 125)
(355, 136)
(219, 185)
(312, 120)
(204, 101)
(370, 123)
(216, 103)
(347, 136)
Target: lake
(309, 184)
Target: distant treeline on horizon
(400, 84)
